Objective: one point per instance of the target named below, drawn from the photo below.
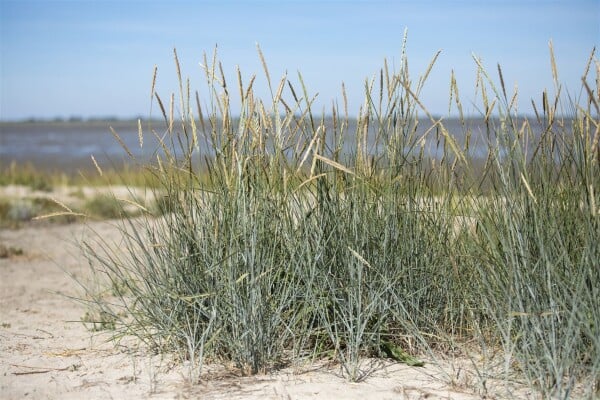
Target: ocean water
(69, 146)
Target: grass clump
(39, 179)
(300, 236)
(28, 175)
(9, 251)
(104, 206)
(15, 212)
(19, 211)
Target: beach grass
(31, 193)
(40, 178)
(300, 239)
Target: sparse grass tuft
(104, 206)
(42, 180)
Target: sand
(46, 352)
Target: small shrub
(9, 251)
(104, 206)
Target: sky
(90, 59)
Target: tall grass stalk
(284, 234)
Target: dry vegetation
(299, 238)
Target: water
(68, 146)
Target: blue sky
(95, 58)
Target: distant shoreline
(134, 120)
(85, 122)
(66, 146)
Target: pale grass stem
(284, 235)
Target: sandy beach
(47, 353)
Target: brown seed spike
(180, 80)
(140, 133)
(162, 107)
(293, 91)
(249, 88)
(153, 82)
(380, 87)
(544, 102)
(502, 82)
(553, 63)
(589, 63)
(96, 165)
(345, 97)
(240, 83)
(264, 64)
(171, 112)
(123, 145)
